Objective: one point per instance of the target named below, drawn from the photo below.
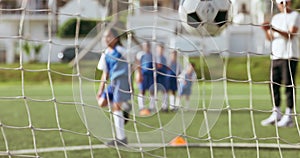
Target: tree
(37, 50)
(296, 4)
(27, 47)
(68, 29)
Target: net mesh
(62, 119)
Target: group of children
(153, 75)
(155, 71)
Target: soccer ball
(205, 16)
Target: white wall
(37, 30)
(86, 8)
(9, 28)
(255, 7)
(34, 29)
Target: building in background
(33, 24)
(37, 20)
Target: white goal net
(49, 73)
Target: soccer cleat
(145, 112)
(271, 120)
(117, 142)
(126, 117)
(152, 110)
(165, 110)
(126, 107)
(286, 121)
(174, 108)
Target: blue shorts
(161, 79)
(147, 82)
(184, 90)
(171, 82)
(117, 91)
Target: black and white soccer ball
(205, 16)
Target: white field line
(208, 96)
(153, 145)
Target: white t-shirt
(285, 48)
(139, 55)
(242, 18)
(102, 63)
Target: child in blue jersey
(161, 71)
(174, 69)
(114, 66)
(145, 78)
(185, 84)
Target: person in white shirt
(243, 17)
(186, 79)
(284, 59)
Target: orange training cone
(145, 112)
(177, 141)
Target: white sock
(141, 101)
(288, 111)
(165, 101)
(152, 102)
(177, 102)
(110, 104)
(187, 104)
(172, 101)
(277, 109)
(119, 124)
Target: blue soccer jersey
(171, 78)
(146, 62)
(117, 68)
(162, 71)
(186, 85)
(116, 65)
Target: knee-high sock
(152, 102)
(119, 124)
(187, 103)
(177, 102)
(141, 101)
(172, 101)
(165, 101)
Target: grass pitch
(46, 116)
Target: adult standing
(282, 33)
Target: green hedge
(68, 29)
(37, 72)
(32, 73)
(236, 70)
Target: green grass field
(46, 115)
(15, 124)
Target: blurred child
(117, 92)
(145, 78)
(174, 69)
(185, 84)
(161, 69)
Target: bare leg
(187, 102)
(102, 102)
